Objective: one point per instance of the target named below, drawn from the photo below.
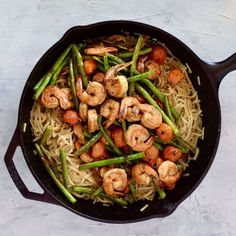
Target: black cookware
(210, 74)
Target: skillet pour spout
(210, 74)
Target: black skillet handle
(220, 69)
(15, 142)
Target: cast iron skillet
(210, 74)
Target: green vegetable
(80, 66)
(158, 146)
(107, 137)
(52, 175)
(110, 161)
(72, 85)
(58, 71)
(168, 111)
(46, 133)
(118, 201)
(38, 84)
(49, 74)
(82, 189)
(134, 62)
(98, 191)
(139, 77)
(147, 96)
(87, 134)
(89, 144)
(124, 126)
(130, 54)
(64, 167)
(105, 62)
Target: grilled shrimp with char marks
(116, 85)
(115, 182)
(94, 95)
(138, 138)
(53, 96)
(110, 109)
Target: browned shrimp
(154, 67)
(118, 136)
(141, 63)
(78, 131)
(115, 182)
(83, 111)
(164, 132)
(109, 109)
(129, 109)
(94, 95)
(99, 77)
(175, 75)
(52, 97)
(158, 54)
(99, 50)
(98, 151)
(86, 157)
(144, 174)
(89, 66)
(117, 38)
(92, 120)
(151, 156)
(169, 174)
(116, 85)
(71, 117)
(138, 138)
(151, 117)
(171, 153)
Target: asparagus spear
(49, 74)
(64, 167)
(111, 161)
(45, 135)
(52, 175)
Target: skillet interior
(211, 121)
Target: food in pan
(116, 120)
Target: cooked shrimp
(158, 54)
(99, 50)
(89, 66)
(114, 182)
(144, 174)
(99, 77)
(129, 108)
(151, 117)
(98, 151)
(169, 174)
(118, 136)
(86, 157)
(138, 138)
(71, 117)
(94, 95)
(175, 75)
(83, 111)
(116, 86)
(52, 97)
(92, 120)
(141, 63)
(77, 145)
(154, 67)
(151, 156)
(78, 131)
(117, 38)
(110, 109)
(171, 153)
(164, 132)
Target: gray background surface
(28, 28)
